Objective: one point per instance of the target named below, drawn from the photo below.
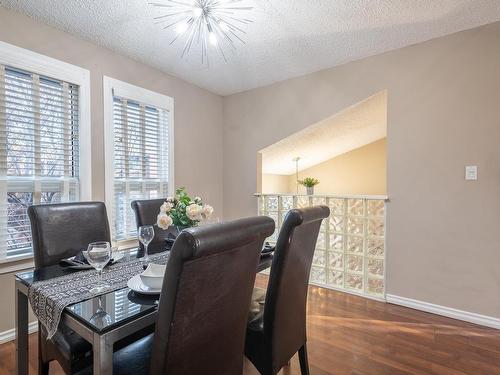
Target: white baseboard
(10, 334)
(449, 312)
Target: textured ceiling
(354, 127)
(288, 38)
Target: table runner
(49, 298)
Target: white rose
(194, 211)
(164, 221)
(207, 211)
(197, 199)
(166, 207)
(170, 199)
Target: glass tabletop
(110, 310)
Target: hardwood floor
(355, 336)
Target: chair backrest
(286, 297)
(146, 211)
(206, 296)
(62, 230)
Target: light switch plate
(471, 173)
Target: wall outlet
(471, 173)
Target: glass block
(274, 216)
(356, 226)
(318, 275)
(355, 244)
(376, 267)
(375, 247)
(375, 207)
(317, 201)
(261, 205)
(353, 281)
(319, 258)
(320, 243)
(336, 260)
(337, 223)
(336, 278)
(376, 286)
(283, 215)
(356, 207)
(302, 201)
(272, 203)
(286, 203)
(336, 242)
(354, 263)
(336, 206)
(376, 227)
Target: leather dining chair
(204, 302)
(60, 231)
(277, 321)
(146, 212)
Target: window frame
(33, 62)
(112, 87)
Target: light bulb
(182, 27)
(197, 12)
(212, 38)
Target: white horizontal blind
(39, 151)
(140, 160)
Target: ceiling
(288, 38)
(354, 127)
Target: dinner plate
(135, 283)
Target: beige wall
(198, 114)
(443, 113)
(359, 172)
(275, 183)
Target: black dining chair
(204, 302)
(146, 212)
(60, 231)
(277, 321)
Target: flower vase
(310, 190)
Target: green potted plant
(309, 183)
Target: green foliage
(309, 182)
(178, 214)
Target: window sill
(15, 265)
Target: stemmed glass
(101, 318)
(146, 235)
(98, 255)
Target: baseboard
(10, 334)
(449, 312)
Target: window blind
(39, 151)
(140, 160)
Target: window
(40, 142)
(138, 139)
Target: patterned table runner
(49, 298)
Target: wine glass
(101, 318)
(98, 255)
(146, 235)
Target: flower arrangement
(309, 182)
(183, 211)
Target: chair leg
(304, 364)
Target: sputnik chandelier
(217, 24)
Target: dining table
(126, 313)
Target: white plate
(137, 286)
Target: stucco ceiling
(288, 37)
(354, 127)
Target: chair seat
(69, 348)
(133, 359)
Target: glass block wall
(350, 252)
